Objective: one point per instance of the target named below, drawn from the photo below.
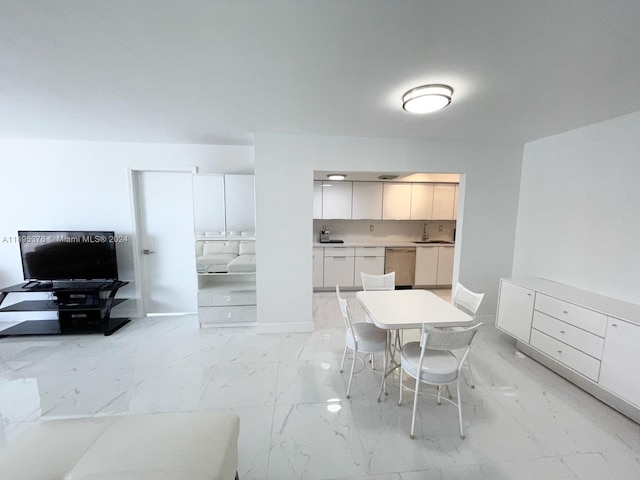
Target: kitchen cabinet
(515, 310)
(421, 201)
(318, 267)
(445, 266)
(620, 368)
(317, 199)
(339, 264)
(368, 260)
(396, 201)
(367, 201)
(336, 199)
(240, 207)
(443, 201)
(426, 265)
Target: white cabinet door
(421, 201)
(445, 266)
(318, 267)
(338, 271)
(426, 265)
(370, 265)
(240, 203)
(317, 199)
(336, 200)
(367, 201)
(396, 201)
(515, 310)
(443, 201)
(620, 368)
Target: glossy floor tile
(521, 421)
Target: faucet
(425, 235)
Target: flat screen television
(68, 255)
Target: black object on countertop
(332, 241)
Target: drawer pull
(562, 332)
(228, 314)
(560, 351)
(528, 294)
(614, 325)
(228, 298)
(565, 312)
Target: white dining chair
(361, 338)
(469, 302)
(385, 281)
(431, 361)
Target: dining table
(397, 310)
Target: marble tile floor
(522, 421)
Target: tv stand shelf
(83, 307)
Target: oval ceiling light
(427, 98)
(336, 176)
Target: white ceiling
(218, 72)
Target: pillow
(247, 248)
(220, 247)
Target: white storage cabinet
(318, 267)
(367, 201)
(368, 260)
(336, 200)
(515, 310)
(339, 264)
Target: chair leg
(415, 407)
(344, 355)
(439, 392)
(353, 364)
(469, 380)
(383, 385)
(400, 398)
(459, 402)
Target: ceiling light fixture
(336, 176)
(427, 98)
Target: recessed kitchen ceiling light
(336, 176)
(387, 177)
(427, 98)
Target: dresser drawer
(211, 298)
(584, 341)
(231, 314)
(583, 318)
(339, 251)
(571, 357)
(369, 251)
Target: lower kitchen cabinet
(427, 265)
(368, 260)
(445, 266)
(318, 267)
(620, 369)
(587, 338)
(339, 264)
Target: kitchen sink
(442, 242)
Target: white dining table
(402, 309)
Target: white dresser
(590, 339)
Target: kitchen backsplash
(384, 230)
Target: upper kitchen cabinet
(396, 201)
(317, 199)
(336, 200)
(444, 201)
(367, 201)
(223, 204)
(421, 201)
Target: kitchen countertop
(391, 244)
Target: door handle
(146, 251)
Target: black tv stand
(83, 307)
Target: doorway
(164, 255)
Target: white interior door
(166, 242)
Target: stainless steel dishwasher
(403, 262)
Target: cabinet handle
(560, 351)
(339, 257)
(562, 332)
(565, 312)
(614, 324)
(528, 294)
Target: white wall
(578, 212)
(57, 185)
(284, 168)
